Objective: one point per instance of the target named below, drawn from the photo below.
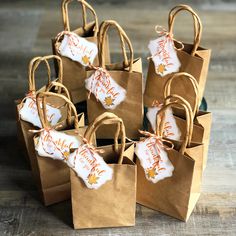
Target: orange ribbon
(156, 103)
(161, 31)
(102, 73)
(159, 139)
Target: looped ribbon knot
(156, 103)
(64, 154)
(89, 147)
(159, 140)
(162, 31)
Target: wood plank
(23, 215)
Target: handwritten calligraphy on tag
(171, 130)
(56, 145)
(105, 89)
(154, 159)
(78, 49)
(90, 166)
(29, 113)
(164, 55)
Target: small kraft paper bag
(169, 56)
(77, 49)
(24, 121)
(116, 88)
(169, 176)
(105, 193)
(52, 148)
(202, 119)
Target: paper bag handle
(60, 87)
(41, 96)
(108, 118)
(197, 24)
(189, 124)
(33, 66)
(85, 6)
(179, 99)
(105, 26)
(192, 80)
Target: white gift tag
(90, 166)
(29, 112)
(171, 130)
(78, 49)
(105, 89)
(154, 159)
(164, 55)
(56, 145)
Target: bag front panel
(114, 203)
(171, 195)
(130, 110)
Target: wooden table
(26, 29)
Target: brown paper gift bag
(129, 76)
(114, 203)
(177, 195)
(202, 119)
(54, 175)
(193, 58)
(75, 73)
(20, 136)
(25, 136)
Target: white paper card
(164, 55)
(154, 160)
(78, 49)
(29, 113)
(56, 145)
(90, 166)
(171, 130)
(105, 89)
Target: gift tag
(171, 130)
(154, 159)
(90, 166)
(164, 55)
(56, 145)
(78, 49)
(29, 112)
(105, 89)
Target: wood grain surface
(26, 30)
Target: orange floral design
(92, 179)
(109, 101)
(151, 173)
(85, 59)
(161, 69)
